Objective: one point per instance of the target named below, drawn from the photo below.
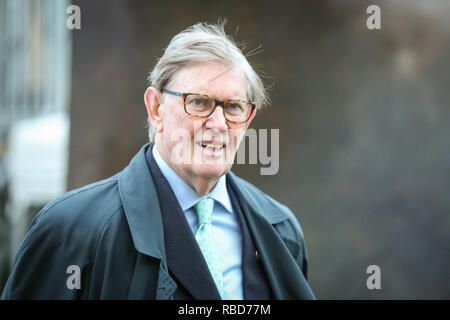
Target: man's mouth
(211, 145)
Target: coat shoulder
(281, 217)
(274, 211)
(75, 221)
(66, 232)
(88, 207)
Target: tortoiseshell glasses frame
(244, 108)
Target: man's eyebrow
(203, 91)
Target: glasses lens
(198, 105)
(237, 111)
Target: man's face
(201, 147)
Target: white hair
(205, 42)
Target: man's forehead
(205, 76)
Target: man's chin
(210, 170)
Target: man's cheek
(236, 136)
(231, 147)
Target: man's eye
(234, 106)
(199, 101)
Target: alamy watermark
(374, 20)
(74, 280)
(74, 20)
(374, 280)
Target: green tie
(205, 240)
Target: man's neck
(202, 186)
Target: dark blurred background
(363, 117)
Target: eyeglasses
(202, 106)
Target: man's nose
(217, 120)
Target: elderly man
(175, 223)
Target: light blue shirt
(224, 223)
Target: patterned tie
(205, 240)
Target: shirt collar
(186, 195)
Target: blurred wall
(363, 118)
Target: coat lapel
(143, 213)
(284, 275)
(254, 280)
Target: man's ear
(152, 98)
